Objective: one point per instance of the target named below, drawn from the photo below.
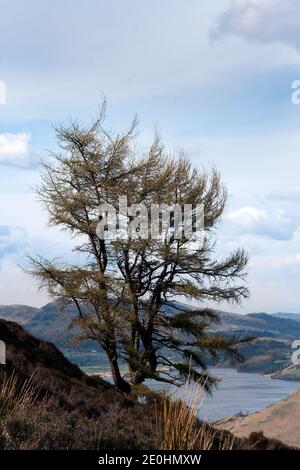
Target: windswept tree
(142, 298)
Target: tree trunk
(137, 377)
(119, 382)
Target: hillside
(49, 403)
(291, 372)
(261, 324)
(279, 421)
(269, 353)
(71, 409)
(53, 322)
(21, 314)
(289, 316)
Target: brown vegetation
(48, 403)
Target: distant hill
(291, 372)
(261, 324)
(289, 316)
(52, 322)
(21, 314)
(269, 353)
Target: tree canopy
(143, 299)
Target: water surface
(238, 393)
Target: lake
(235, 393)
(238, 392)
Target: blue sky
(215, 76)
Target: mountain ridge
(269, 353)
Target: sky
(215, 77)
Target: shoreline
(107, 373)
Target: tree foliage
(136, 297)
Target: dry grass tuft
(179, 428)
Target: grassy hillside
(66, 408)
(48, 403)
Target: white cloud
(261, 20)
(275, 224)
(16, 150)
(250, 163)
(284, 263)
(142, 58)
(17, 287)
(247, 216)
(12, 240)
